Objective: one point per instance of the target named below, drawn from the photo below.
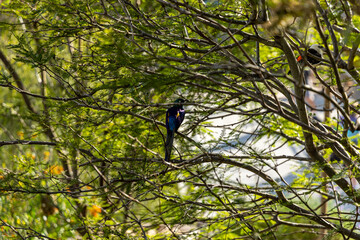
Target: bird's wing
(314, 52)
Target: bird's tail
(169, 144)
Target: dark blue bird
(174, 117)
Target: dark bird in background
(316, 50)
(174, 117)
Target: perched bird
(174, 117)
(316, 50)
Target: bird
(316, 50)
(174, 117)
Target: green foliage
(84, 90)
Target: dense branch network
(104, 75)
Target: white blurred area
(277, 167)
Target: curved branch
(17, 79)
